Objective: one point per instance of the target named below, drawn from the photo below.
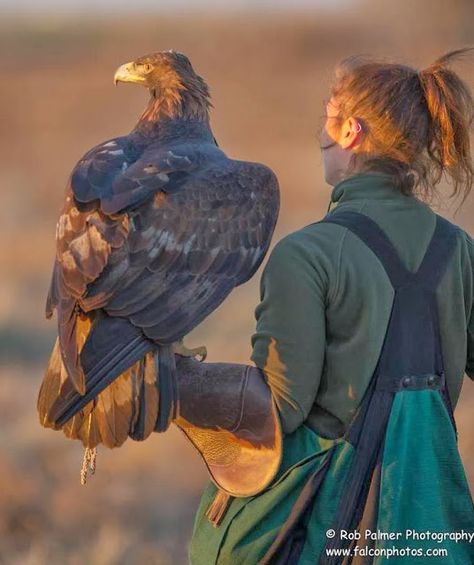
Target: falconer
(327, 299)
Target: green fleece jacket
(326, 301)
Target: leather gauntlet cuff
(228, 413)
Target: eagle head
(172, 82)
(163, 72)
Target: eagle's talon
(202, 354)
(181, 349)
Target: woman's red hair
(416, 123)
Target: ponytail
(451, 109)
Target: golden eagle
(157, 228)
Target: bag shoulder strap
(434, 261)
(439, 251)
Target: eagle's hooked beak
(127, 73)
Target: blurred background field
(269, 70)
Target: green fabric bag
(435, 490)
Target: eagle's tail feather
(121, 387)
(168, 392)
(50, 389)
(146, 398)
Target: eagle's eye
(144, 67)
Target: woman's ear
(350, 134)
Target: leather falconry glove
(227, 412)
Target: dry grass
(268, 78)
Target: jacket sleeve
(289, 342)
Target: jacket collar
(365, 186)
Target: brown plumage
(157, 228)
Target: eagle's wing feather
(89, 239)
(190, 248)
(204, 228)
